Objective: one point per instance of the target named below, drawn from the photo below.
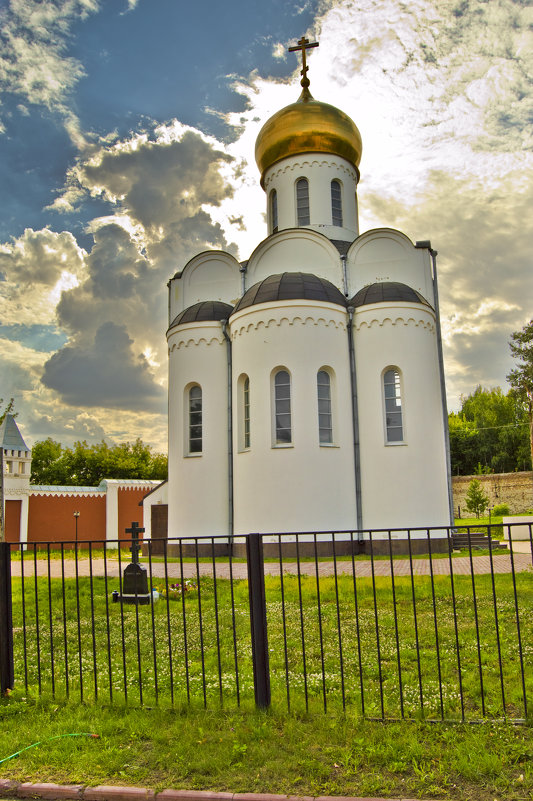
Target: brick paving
(421, 567)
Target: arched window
(195, 419)
(302, 202)
(336, 203)
(282, 408)
(246, 411)
(274, 211)
(393, 405)
(325, 420)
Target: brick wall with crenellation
(514, 489)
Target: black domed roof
(291, 286)
(387, 291)
(206, 310)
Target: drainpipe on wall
(426, 244)
(242, 271)
(230, 433)
(355, 418)
(344, 276)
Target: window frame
(277, 440)
(273, 211)
(325, 401)
(190, 450)
(398, 395)
(303, 210)
(339, 221)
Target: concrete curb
(103, 792)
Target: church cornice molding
(295, 319)
(306, 163)
(396, 320)
(186, 342)
(19, 491)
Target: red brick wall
(129, 510)
(12, 520)
(51, 518)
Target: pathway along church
(306, 388)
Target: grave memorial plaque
(135, 579)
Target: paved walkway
(421, 567)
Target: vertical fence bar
(152, 611)
(200, 619)
(496, 621)
(50, 621)
(320, 629)
(396, 630)
(436, 624)
(415, 620)
(258, 620)
(284, 620)
(217, 621)
(169, 632)
(302, 626)
(339, 630)
(64, 603)
(24, 632)
(517, 615)
(108, 629)
(456, 626)
(234, 627)
(7, 666)
(476, 618)
(376, 622)
(122, 631)
(357, 627)
(37, 632)
(93, 621)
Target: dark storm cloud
(114, 263)
(103, 373)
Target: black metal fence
(416, 623)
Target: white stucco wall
(387, 255)
(198, 484)
(402, 484)
(211, 275)
(293, 251)
(304, 486)
(319, 169)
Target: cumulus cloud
(33, 60)
(484, 238)
(104, 372)
(34, 270)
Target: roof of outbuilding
(10, 436)
(291, 286)
(206, 310)
(387, 291)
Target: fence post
(7, 673)
(258, 622)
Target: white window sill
(395, 444)
(328, 445)
(283, 445)
(193, 455)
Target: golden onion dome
(307, 126)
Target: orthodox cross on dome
(303, 45)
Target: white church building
(306, 384)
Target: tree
(521, 377)
(490, 433)
(476, 498)
(86, 465)
(8, 410)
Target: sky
(127, 132)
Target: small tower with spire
(16, 464)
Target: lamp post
(76, 515)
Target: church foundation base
(305, 549)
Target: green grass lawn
(390, 650)
(249, 751)
(191, 732)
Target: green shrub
(501, 509)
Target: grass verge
(251, 751)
